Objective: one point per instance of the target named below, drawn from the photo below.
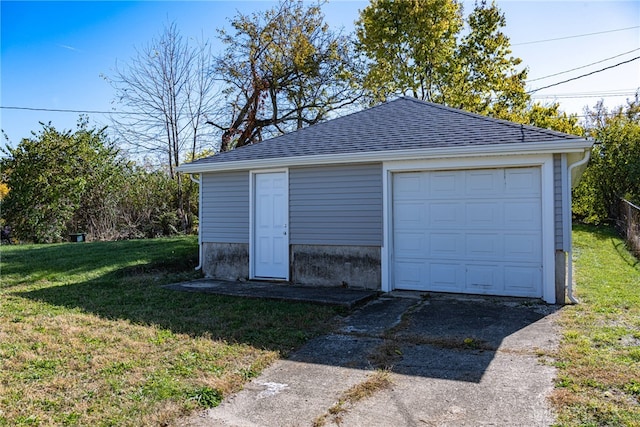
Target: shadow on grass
(448, 338)
(136, 294)
(599, 232)
(609, 234)
(26, 264)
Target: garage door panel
(445, 245)
(522, 247)
(411, 244)
(522, 214)
(410, 275)
(483, 279)
(471, 231)
(408, 185)
(446, 277)
(523, 180)
(521, 281)
(483, 214)
(445, 185)
(482, 246)
(483, 183)
(445, 214)
(410, 214)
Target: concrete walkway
(453, 361)
(345, 297)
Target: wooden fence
(628, 224)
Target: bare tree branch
(169, 80)
(283, 69)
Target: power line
(604, 92)
(58, 110)
(612, 95)
(584, 75)
(581, 67)
(575, 36)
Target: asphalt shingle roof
(402, 124)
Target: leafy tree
(426, 49)
(67, 182)
(282, 69)
(548, 117)
(614, 169)
(410, 45)
(490, 82)
(169, 86)
(55, 179)
(4, 190)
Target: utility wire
(575, 36)
(56, 110)
(584, 75)
(584, 66)
(622, 92)
(617, 95)
(610, 92)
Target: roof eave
(547, 147)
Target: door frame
(545, 162)
(252, 221)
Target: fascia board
(562, 146)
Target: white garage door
(469, 231)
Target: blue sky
(53, 54)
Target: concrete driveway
(452, 361)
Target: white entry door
(270, 222)
(469, 231)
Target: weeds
(377, 381)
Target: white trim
(544, 161)
(566, 222)
(548, 233)
(566, 205)
(251, 222)
(252, 181)
(506, 149)
(386, 253)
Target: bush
(69, 182)
(614, 169)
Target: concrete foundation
(561, 274)
(229, 261)
(352, 266)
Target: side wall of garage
(335, 215)
(335, 225)
(558, 212)
(225, 225)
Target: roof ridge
(503, 122)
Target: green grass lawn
(599, 356)
(88, 335)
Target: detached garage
(405, 195)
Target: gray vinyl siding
(557, 201)
(336, 205)
(225, 207)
